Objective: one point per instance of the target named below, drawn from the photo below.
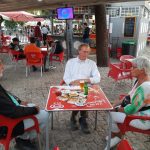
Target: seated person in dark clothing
(12, 107)
(55, 48)
(15, 46)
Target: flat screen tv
(65, 13)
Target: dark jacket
(9, 109)
(59, 48)
(86, 33)
(16, 47)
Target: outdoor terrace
(35, 89)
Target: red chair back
(34, 59)
(124, 145)
(56, 148)
(126, 64)
(57, 57)
(4, 49)
(125, 127)
(16, 55)
(62, 82)
(118, 73)
(11, 123)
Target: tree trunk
(101, 36)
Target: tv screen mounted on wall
(65, 13)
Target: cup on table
(81, 84)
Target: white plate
(80, 104)
(65, 91)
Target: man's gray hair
(142, 62)
(83, 45)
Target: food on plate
(72, 100)
(63, 98)
(73, 94)
(65, 91)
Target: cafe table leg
(109, 130)
(95, 120)
(51, 120)
(47, 133)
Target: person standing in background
(86, 33)
(44, 32)
(38, 34)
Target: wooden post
(101, 36)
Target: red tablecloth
(96, 100)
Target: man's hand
(77, 82)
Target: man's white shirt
(44, 30)
(81, 69)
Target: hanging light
(39, 0)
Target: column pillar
(101, 36)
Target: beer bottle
(85, 88)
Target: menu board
(129, 27)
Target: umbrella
(4, 17)
(19, 16)
(22, 17)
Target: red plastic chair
(126, 64)
(57, 58)
(62, 82)
(4, 49)
(124, 145)
(15, 56)
(125, 127)
(117, 73)
(35, 59)
(56, 148)
(11, 123)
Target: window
(129, 27)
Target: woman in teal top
(139, 100)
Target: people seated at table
(137, 102)
(14, 45)
(55, 48)
(33, 48)
(11, 106)
(77, 69)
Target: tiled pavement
(35, 89)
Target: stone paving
(35, 89)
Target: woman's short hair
(142, 62)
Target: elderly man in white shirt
(81, 68)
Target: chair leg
(41, 71)
(39, 141)
(95, 120)
(26, 71)
(62, 66)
